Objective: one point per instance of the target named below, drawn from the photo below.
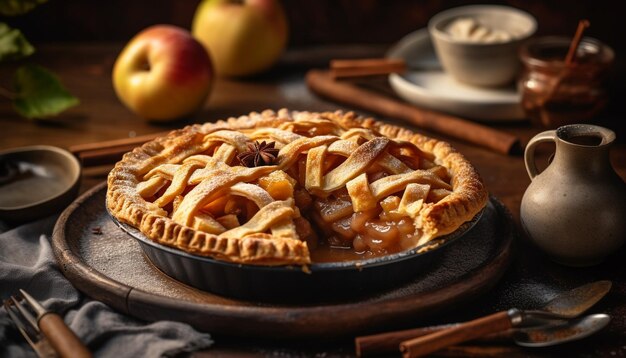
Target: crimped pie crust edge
(468, 197)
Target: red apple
(244, 37)
(163, 73)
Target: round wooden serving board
(110, 267)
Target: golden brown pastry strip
(206, 223)
(165, 171)
(413, 199)
(314, 168)
(355, 164)
(285, 229)
(236, 139)
(343, 147)
(263, 220)
(391, 164)
(275, 134)
(289, 153)
(311, 126)
(358, 132)
(178, 184)
(173, 151)
(360, 193)
(395, 183)
(252, 192)
(213, 185)
(150, 187)
(225, 153)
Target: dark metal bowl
(323, 281)
(53, 167)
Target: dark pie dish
(319, 282)
(293, 204)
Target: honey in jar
(555, 93)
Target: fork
(44, 331)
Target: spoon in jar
(568, 62)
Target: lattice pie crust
(338, 180)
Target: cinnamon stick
(366, 67)
(423, 345)
(388, 342)
(107, 152)
(569, 61)
(578, 36)
(323, 84)
(105, 155)
(124, 142)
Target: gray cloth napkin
(27, 262)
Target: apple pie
(286, 187)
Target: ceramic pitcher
(575, 210)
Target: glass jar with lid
(555, 93)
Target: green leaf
(18, 7)
(39, 93)
(13, 45)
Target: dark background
(323, 22)
(311, 21)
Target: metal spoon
(554, 334)
(536, 336)
(573, 302)
(561, 308)
(576, 301)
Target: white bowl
(427, 85)
(478, 63)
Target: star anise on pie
(258, 154)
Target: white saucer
(426, 85)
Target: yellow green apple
(244, 37)
(163, 73)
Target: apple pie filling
(293, 190)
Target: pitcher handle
(529, 152)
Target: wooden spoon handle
(61, 337)
(467, 331)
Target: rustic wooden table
(532, 279)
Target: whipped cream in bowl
(470, 29)
(478, 44)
